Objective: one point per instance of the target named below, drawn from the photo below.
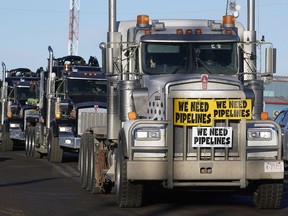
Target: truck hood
(162, 80)
(88, 101)
(90, 104)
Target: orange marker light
(264, 116)
(228, 31)
(147, 31)
(198, 31)
(179, 31)
(142, 21)
(132, 115)
(228, 20)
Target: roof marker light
(189, 31)
(147, 31)
(198, 31)
(179, 31)
(228, 31)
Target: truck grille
(90, 119)
(184, 150)
(188, 98)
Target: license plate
(277, 166)
(207, 137)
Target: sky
(28, 27)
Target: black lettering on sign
(202, 131)
(183, 106)
(199, 106)
(221, 104)
(238, 104)
(218, 132)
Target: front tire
(91, 181)
(128, 194)
(33, 152)
(7, 142)
(27, 141)
(268, 196)
(55, 153)
(83, 160)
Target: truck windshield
(85, 88)
(24, 92)
(193, 58)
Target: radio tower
(74, 27)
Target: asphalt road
(36, 187)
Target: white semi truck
(185, 110)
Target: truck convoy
(185, 111)
(69, 87)
(17, 98)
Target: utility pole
(74, 27)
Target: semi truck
(185, 111)
(18, 93)
(68, 87)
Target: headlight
(14, 125)
(65, 129)
(259, 134)
(147, 135)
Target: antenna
(74, 27)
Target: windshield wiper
(204, 65)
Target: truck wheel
(128, 194)
(268, 196)
(27, 141)
(96, 182)
(83, 165)
(91, 162)
(7, 143)
(54, 153)
(33, 152)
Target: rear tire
(268, 196)
(128, 194)
(54, 153)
